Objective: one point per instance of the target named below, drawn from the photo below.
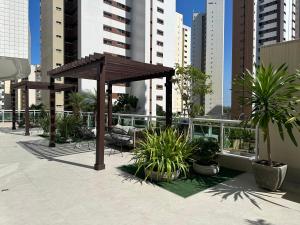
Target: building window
(162, 1)
(58, 64)
(107, 42)
(160, 21)
(160, 54)
(58, 36)
(58, 8)
(58, 50)
(159, 87)
(160, 10)
(159, 43)
(160, 32)
(159, 98)
(58, 22)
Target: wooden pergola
(108, 69)
(26, 85)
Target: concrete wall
(283, 151)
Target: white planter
(210, 170)
(159, 177)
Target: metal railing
(233, 138)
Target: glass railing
(233, 138)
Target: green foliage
(206, 150)
(76, 101)
(163, 153)
(67, 126)
(125, 104)
(275, 97)
(160, 111)
(44, 122)
(192, 85)
(90, 101)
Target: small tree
(275, 96)
(125, 104)
(76, 101)
(192, 85)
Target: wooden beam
(52, 114)
(13, 105)
(100, 126)
(27, 121)
(109, 106)
(169, 100)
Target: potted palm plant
(275, 96)
(205, 156)
(163, 156)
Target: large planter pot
(209, 170)
(267, 177)
(162, 177)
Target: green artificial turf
(191, 185)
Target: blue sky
(185, 7)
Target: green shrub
(166, 152)
(44, 122)
(206, 150)
(67, 126)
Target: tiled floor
(48, 187)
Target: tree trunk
(269, 146)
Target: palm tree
(275, 95)
(76, 101)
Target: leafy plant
(192, 85)
(76, 101)
(125, 103)
(275, 96)
(206, 150)
(164, 153)
(67, 126)
(44, 122)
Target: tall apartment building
(273, 21)
(52, 44)
(198, 42)
(14, 45)
(141, 30)
(182, 57)
(215, 25)
(242, 54)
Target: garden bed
(186, 187)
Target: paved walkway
(60, 187)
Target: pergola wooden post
(52, 114)
(169, 100)
(105, 68)
(109, 105)
(13, 105)
(100, 126)
(27, 119)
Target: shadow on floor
(234, 189)
(258, 222)
(40, 149)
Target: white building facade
(215, 23)
(14, 44)
(275, 21)
(140, 30)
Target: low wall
(240, 163)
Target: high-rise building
(141, 30)
(198, 42)
(14, 45)
(273, 21)
(215, 25)
(183, 56)
(52, 44)
(242, 54)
